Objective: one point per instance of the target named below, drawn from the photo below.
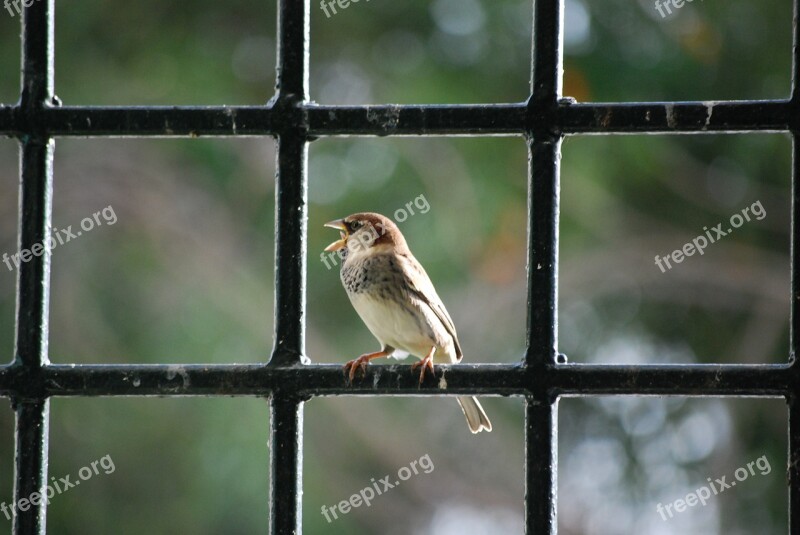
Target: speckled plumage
(375, 285)
(397, 301)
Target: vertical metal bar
(291, 214)
(794, 342)
(32, 429)
(542, 416)
(290, 249)
(794, 324)
(33, 282)
(795, 54)
(286, 477)
(543, 211)
(37, 55)
(544, 155)
(547, 57)
(794, 312)
(541, 456)
(293, 38)
(33, 288)
(794, 463)
(291, 183)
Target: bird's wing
(422, 287)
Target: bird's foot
(360, 363)
(425, 364)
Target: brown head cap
(387, 232)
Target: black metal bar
(543, 249)
(161, 121)
(291, 215)
(291, 212)
(795, 53)
(772, 380)
(34, 274)
(30, 459)
(543, 175)
(293, 42)
(793, 464)
(262, 380)
(33, 283)
(37, 56)
(541, 445)
(673, 379)
(542, 330)
(9, 123)
(676, 117)
(286, 454)
(417, 120)
(290, 249)
(793, 396)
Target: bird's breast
(370, 273)
(379, 292)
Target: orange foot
(361, 363)
(426, 363)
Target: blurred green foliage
(185, 275)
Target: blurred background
(184, 274)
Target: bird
(396, 300)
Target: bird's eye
(355, 225)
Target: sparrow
(396, 300)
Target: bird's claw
(361, 362)
(426, 363)
(356, 364)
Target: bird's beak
(339, 225)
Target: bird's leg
(427, 362)
(362, 361)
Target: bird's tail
(476, 417)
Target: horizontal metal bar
(263, 379)
(431, 120)
(156, 121)
(9, 124)
(674, 379)
(686, 117)
(398, 119)
(767, 380)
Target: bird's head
(366, 232)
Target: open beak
(339, 225)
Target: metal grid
(30, 380)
